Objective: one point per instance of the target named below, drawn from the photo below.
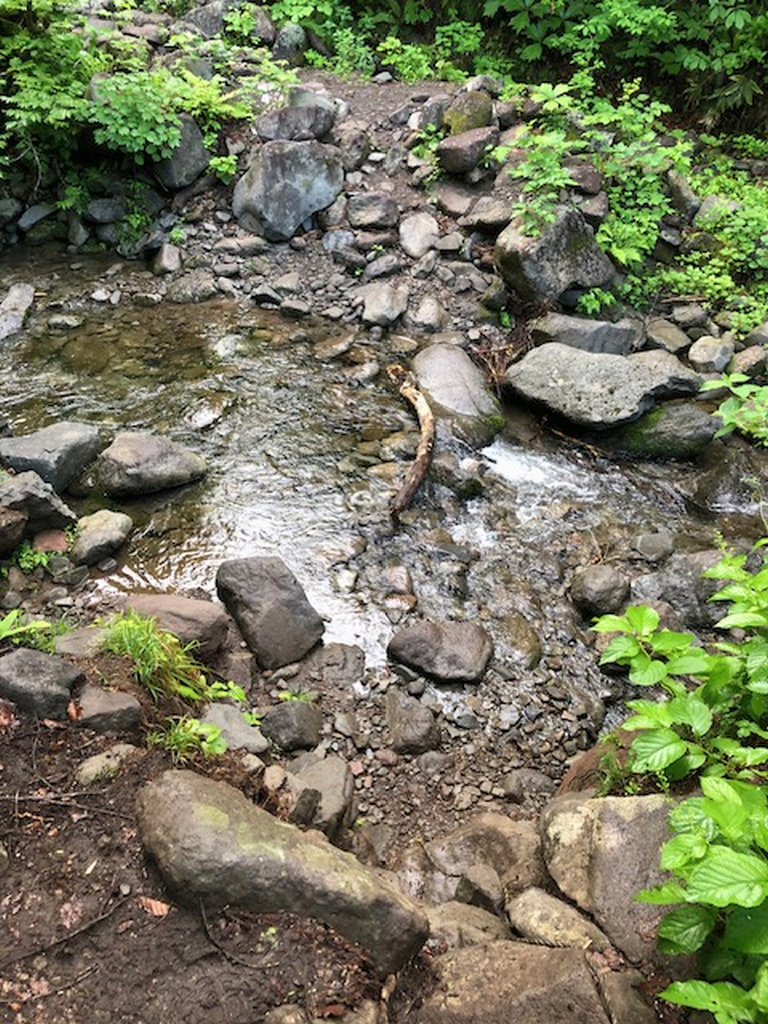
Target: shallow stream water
(299, 467)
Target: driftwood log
(406, 385)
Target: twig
(418, 469)
(65, 938)
(69, 984)
(232, 957)
(63, 801)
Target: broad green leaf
(612, 624)
(759, 990)
(696, 714)
(667, 892)
(689, 665)
(644, 620)
(744, 620)
(726, 876)
(621, 649)
(656, 749)
(746, 930)
(718, 996)
(667, 641)
(680, 850)
(685, 929)
(648, 673)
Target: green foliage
(15, 630)
(224, 167)
(544, 178)
(161, 663)
(185, 737)
(409, 61)
(28, 559)
(747, 408)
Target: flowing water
(297, 450)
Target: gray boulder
(664, 334)
(563, 256)
(418, 234)
(372, 210)
(99, 535)
(235, 731)
(213, 844)
(197, 285)
(451, 652)
(458, 392)
(680, 584)
(599, 390)
(599, 589)
(411, 723)
(460, 154)
(28, 494)
(620, 338)
(37, 683)
(107, 710)
(14, 307)
(296, 122)
(57, 454)
(384, 302)
(501, 982)
(187, 162)
(138, 462)
(286, 183)
(459, 925)
(293, 725)
(269, 605)
(194, 621)
(711, 355)
(332, 779)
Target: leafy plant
(224, 167)
(746, 410)
(15, 630)
(185, 737)
(544, 178)
(28, 558)
(161, 662)
(409, 61)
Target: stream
(304, 454)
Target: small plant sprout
(185, 737)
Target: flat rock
(100, 535)
(138, 462)
(501, 982)
(57, 454)
(194, 621)
(213, 844)
(293, 725)
(235, 731)
(30, 495)
(37, 683)
(599, 391)
(14, 307)
(459, 925)
(107, 710)
(451, 652)
(542, 918)
(458, 392)
(619, 338)
(269, 605)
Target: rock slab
(452, 652)
(211, 843)
(38, 683)
(57, 453)
(138, 462)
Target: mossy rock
(671, 431)
(469, 110)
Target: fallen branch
(65, 938)
(406, 384)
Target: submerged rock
(212, 844)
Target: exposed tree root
(406, 384)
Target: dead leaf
(155, 908)
(74, 711)
(49, 723)
(7, 717)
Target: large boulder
(564, 255)
(187, 162)
(599, 391)
(296, 122)
(459, 154)
(680, 584)
(269, 605)
(601, 852)
(286, 183)
(213, 844)
(57, 454)
(501, 982)
(458, 393)
(28, 494)
(451, 652)
(138, 462)
(40, 684)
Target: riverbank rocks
(500, 982)
(286, 183)
(598, 336)
(670, 431)
(601, 852)
(564, 255)
(269, 605)
(99, 535)
(28, 494)
(57, 453)
(679, 583)
(188, 160)
(599, 391)
(38, 683)
(451, 652)
(212, 844)
(138, 462)
(14, 307)
(458, 393)
(194, 621)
